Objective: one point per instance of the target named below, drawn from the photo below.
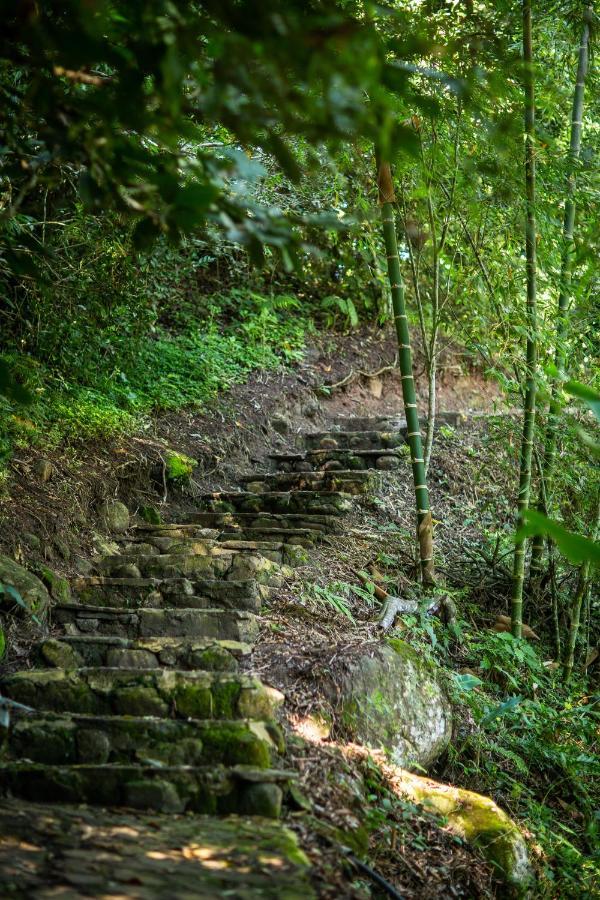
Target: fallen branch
(352, 375)
(394, 606)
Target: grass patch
(105, 382)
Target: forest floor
(346, 799)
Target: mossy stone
(131, 659)
(193, 701)
(93, 746)
(178, 466)
(391, 698)
(114, 515)
(157, 794)
(30, 588)
(60, 654)
(139, 700)
(59, 587)
(261, 800)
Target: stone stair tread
(240, 771)
(219, 624)
(349, 474)
(90, 609)
(250, 603)
(378, 423)
(233, 544)
(175, 789)
(141, 532)
(249, 495)
(336, 451)
(124, 643)
(169, 584)
(172, 693)
(72, 852)
(74, 738)
(324, 502)
(68, 651)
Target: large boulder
(32, 591)
(391, 698)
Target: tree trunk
(424, 523)
(537, 548)
(531, 360)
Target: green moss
(214, 659)
(225, 696)
(178, 466)
(193, 701)
(150, 514)
(139, 700)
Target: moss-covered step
(340, 459)
(250, 601)
(230, 564)
(174, 789)
(314, 523)
(144, 692)
(327, 503)
(355, 440)
(221, 624)
(392, 423)
(76, 739)
(73, 652)
(69, 852)
(164, 565)
(346, 481)
(294, 537)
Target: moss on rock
(391, 698)
(478, 820)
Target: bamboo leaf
(575, 547)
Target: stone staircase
(137, 700)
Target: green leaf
(585, 393)
(575, 547)
(467, 682)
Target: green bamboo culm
(424, 522)
(531, 353)
(581, 594)
(564, 297)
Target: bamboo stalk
(583, 586)
(531, 353)
(424, 523)
(566, 264)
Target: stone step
(328, 503)
(314, 523)
(288, 537)
(390, 423)
(222, 564)
(346, 481)
(168, 693)
(220, 624)
(78, 739)
(68, 852)
(73, 652)
(355, 440)
(356, 460)
(174, 789)
(99, 590)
